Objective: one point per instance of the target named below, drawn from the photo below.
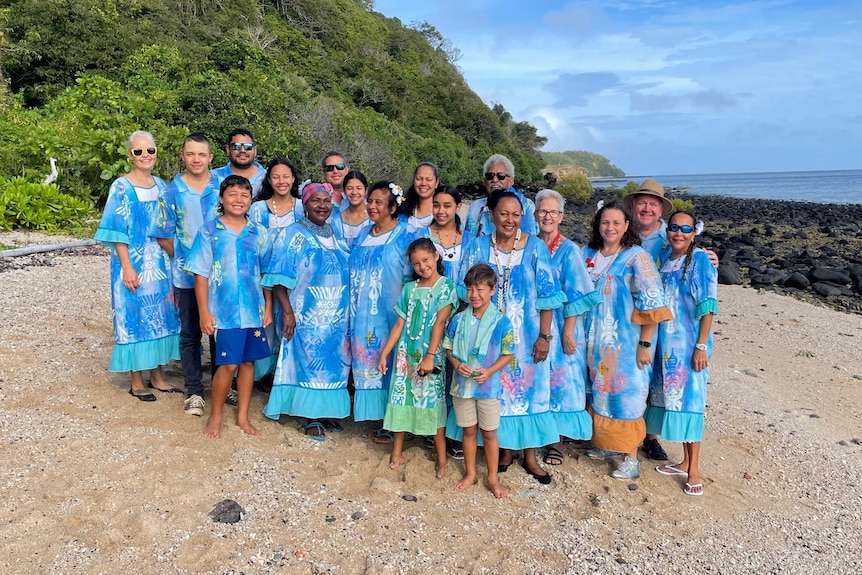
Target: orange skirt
(619, 435)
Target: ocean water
(832, 187)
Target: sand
(93, 481)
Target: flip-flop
(317, 430)
(670, 470)
(382, 437)
(695, 490)
(332, 425)
(168, 390)
(142, 394)
(553, 456)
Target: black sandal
(142, 395)
(654, 450)
(553, 456)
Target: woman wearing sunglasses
(146, 322)
(678, 394)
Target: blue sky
(668, 87)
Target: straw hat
(650, 188)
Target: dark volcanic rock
(825, 289)
(728, 273)
(797, 280)
(827, 275)
(227, 511)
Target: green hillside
(305, 76)
(596, 165)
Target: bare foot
(213, 428)
(497, 490)
(161, 385)
(441, 471)
(394, 462)
(466, 481)
(248, 428)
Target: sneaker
(232, 398)
(194, 405)
(654, 450)
(628, 469)
(599, 453)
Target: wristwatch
(546, 336)
(700, 346)
(643, 343)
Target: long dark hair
(693, 243)
(629, 239)
(356, 175)
(411, 197)
(456, 195)
(266, 190)
(428, 246)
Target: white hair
(139, 134)
(500, 159)
(547, 194)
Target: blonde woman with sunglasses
(146, 322)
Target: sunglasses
(333, 167)
(140, 152)
(237, 146)
(679, 228)
(499, 175)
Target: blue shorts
(236, 346)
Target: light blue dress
(632, 295)
(313, 367)
(479, 218)
(569, 372)
(233, 264)
(256, 180)
(378, 269)
(526, 420)
(678, 392)
(182, 211)
(348, 232)
(146, 322)
(259, 213)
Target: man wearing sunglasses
(241, 152)
(499, 174)
(335, 167)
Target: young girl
(355, 217)
(417, 401)
(678, 392)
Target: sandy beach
(93, 481)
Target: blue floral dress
(632, 295)
(313, 367)
(146, 322)
(678, 392)
(569, 372)
(479, 218)
(378, 269)
(530, 285)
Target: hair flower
(397, 192)
(590, 263)
(302, 186)
(600, 205)
(698, 228)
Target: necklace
(556, 243)
(596, 273)
(275, 208)
(503, 274)
(411, 307)
(450, 251)
(324, 231)
(383, 231)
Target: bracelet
(431, 353)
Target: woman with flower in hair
(378, 269)
(678, 391)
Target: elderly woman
(146, 322)
(568, 355)
(378, 268)
(527, 292)
(620, 334)
(308, 275)
(417, 209)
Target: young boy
(478, 343)
(189, 201)
(228, 258)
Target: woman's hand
(570, 346)
(540, 349)
(644, 356)
(130, 279)
(699, 361)
(381, 365)
(289, 324)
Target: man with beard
(242, 151)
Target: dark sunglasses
(499, 175)
(333, 167)
(237, 146)
(140, 152)
(679, 228)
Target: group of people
(379, 302)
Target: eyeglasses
(140, 152)
(552, 213)
(237, 146)
(679, 228)
(499, 175)
(333, 167)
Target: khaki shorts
(469, 412)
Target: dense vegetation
(77, 76)
(595, 165)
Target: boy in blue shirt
(228, 259)
(478, 343)
(189, 201)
